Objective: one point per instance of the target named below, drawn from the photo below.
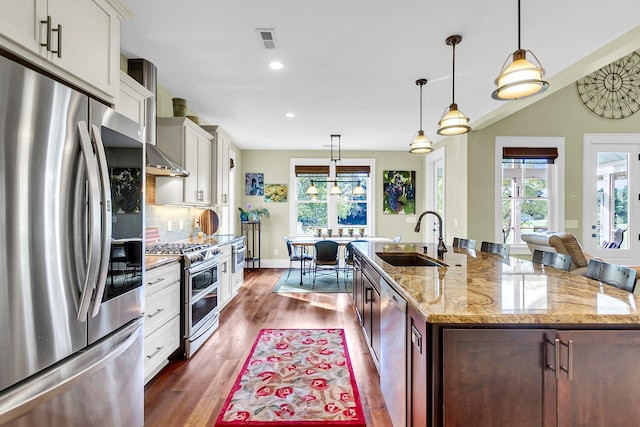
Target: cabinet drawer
(160, 307)
(161, 277)
(159, 346)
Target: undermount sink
(407, 260)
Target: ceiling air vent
(267, 36)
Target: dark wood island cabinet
(493, 342)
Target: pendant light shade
(521, 78)
(453, 122)
(312, 190)
(420, 144)
(358, 190)
(335, 190)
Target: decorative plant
(257, 212)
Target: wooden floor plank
(192, 392)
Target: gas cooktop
(175, 248)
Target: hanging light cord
(518, 24)
(453, 75)
(421, 106)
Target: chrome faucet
(441, 246)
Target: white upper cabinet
(221, 161)
(131, 99)
(189, 145)
(79, 41)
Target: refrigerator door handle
(105, 227)
(93, 217)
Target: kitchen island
(493, 341)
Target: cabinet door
(204, 170)
(375, 322)
(20, 23)
(191, 143)
(598, 385)
(496, 377)
(225, 292)
(222, 168)
(417, 360)
(96, 62)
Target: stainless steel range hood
(158, 163)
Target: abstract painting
(399, 192)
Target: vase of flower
(252, 214)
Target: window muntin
(525, 198)
(327, 211)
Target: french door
(611, 202)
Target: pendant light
(335, 190)
(421, 143)
(453, 122)
(521, 78)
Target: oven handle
(201, 267)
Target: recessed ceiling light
(290, 115)
(276, 65)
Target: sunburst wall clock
(613, 91)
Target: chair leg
(289, 272)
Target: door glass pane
(612, 201)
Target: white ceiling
(351, 65)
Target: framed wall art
(276, 193)
(254, 184)
(399, 193)
(126, 184)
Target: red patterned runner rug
(295, 377)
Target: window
(327, 211)
(529, 180)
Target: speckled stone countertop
(154, 261)
(478, 287)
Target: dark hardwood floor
(192, 392)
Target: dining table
(306, 241)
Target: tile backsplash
(173, 223)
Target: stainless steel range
(200, 311)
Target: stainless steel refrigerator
(71, 179)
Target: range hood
(158, 163)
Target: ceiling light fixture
(276, 65)
(521, 78)
(453, 122)
(290, 115)
(335, 190)
(420, 143)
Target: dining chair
(326, 258)
(298, 257)
(612, 274)
(117, 255)
(348, 259)
(464, 243)
(133, 251)
(495, 248)
(552, 259)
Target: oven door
(201, 299)
(238, 253)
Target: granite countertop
(153, 261)
(478, 287)
(217, 239)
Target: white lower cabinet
(162, 317)
(237, 279)
(225, 290)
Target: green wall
(561, 114)
(276, 168)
